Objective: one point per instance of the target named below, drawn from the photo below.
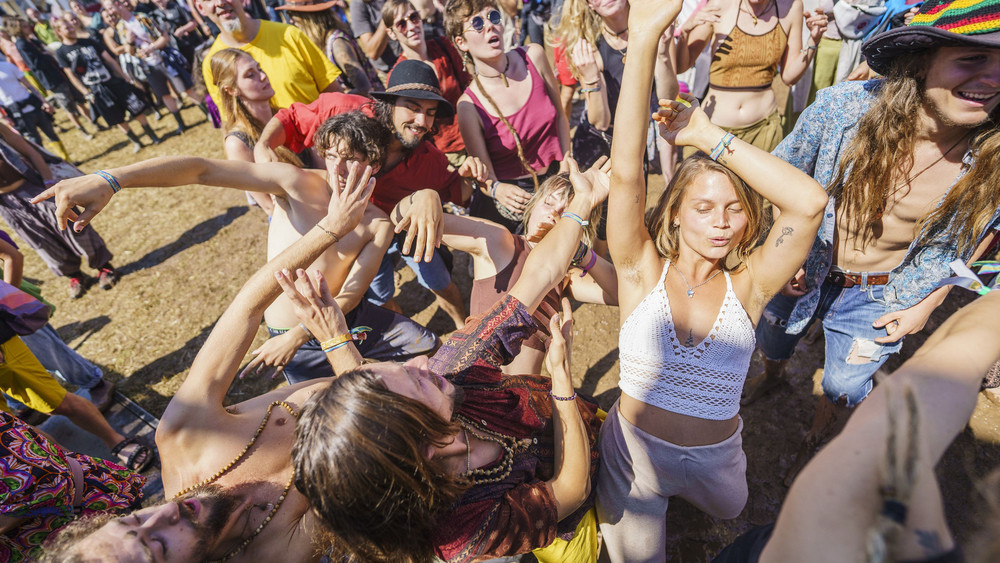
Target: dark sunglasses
(478, 23)
(401, 24)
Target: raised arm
(628, 240)
(798, 198)
(798, 57)
(942, 381)
(199, 400)
(92, 192)
(696, 34)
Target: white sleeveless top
(704, 381)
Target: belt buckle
(838, 278)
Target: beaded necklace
(509, 445)
(230, 465)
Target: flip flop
(138, 460)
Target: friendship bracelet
(558, 398)
(333, 236)
(493, 189)
(115, 186)
(335, 346)
(577, 218)
(590, 90)
(722, 146)
(358, 334)
(308, 333)
(593, 260)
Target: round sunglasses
(401, 24)
(478, 23)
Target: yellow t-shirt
(297, 69)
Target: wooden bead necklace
(501, 470)
(230, 465)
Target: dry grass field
(184, 253)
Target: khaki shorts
(764, 134)
(23, 378)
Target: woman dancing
(691, 287)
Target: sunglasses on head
(477, 23)
(401, 24)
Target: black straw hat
(415, 79)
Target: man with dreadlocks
(912, 162)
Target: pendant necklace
(690, 290)
(617, 35)
(503, 73)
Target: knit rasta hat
(940, 23)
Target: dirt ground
(184, 253)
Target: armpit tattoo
(785, 231)
(930, 541)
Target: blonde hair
(238, 116)
(319, 25)
(578, 21)
(551, 185)
(659, 219)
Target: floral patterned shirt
(823, 131)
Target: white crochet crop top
(704, 381)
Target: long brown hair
(238, 116)
(455, 12)
(659, 219)
(881, 154)
(360, 459)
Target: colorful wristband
(723, 145)
(577, 218)
(111, 180)
(590, 90)
(358, 334)
(593, 260)
(558, 398)
(493, 189)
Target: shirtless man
(908, 198)
(249, 511)
(302, 198)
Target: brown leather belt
(841, 278)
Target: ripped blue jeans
(852, 355)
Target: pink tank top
(535, 124)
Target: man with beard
(910, 162)
(414, 168)
(252, 513)
(298, 70)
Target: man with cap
(296, 67)
(414, 168)
(910, 162)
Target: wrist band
(358, 334)
(332, 235)
(309, 334)
(722, 146)
(577, 218)
(111, 180)
(590, 90)
(581, 252)
(558, 398)
(493, 189)
(593, 260)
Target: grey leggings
(640, 472)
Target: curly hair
(360, 459)
(363, 135)
(659, 219)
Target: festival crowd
(827, 161)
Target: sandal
(139, 458)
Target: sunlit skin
(409, 34)
(710, 216)
(339, 159)
(547, 211)
(962, 85)
(414, 380)
(252, 83)
(486, 44)
(413, 119)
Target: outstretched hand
(274, 354)
(91, 192)
(682, 124)
(424, 225)
(314, 306)
(347, 203)
(594, 184)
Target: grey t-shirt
(365, 17)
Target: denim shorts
(393, 338)
(852, 355)
(434, 275)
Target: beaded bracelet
(558, 398)
(356, 334)
(722, 146)
(577, 218)
(111, 180)
(593, 260)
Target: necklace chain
(503, 73)
(690, 290)
(503, 469)
(753, 12)
(236, 460)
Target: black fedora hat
(415, 79)
(940, 23)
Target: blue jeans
(852, 355)
(55, 356)
(393, 338)
(434, 275)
